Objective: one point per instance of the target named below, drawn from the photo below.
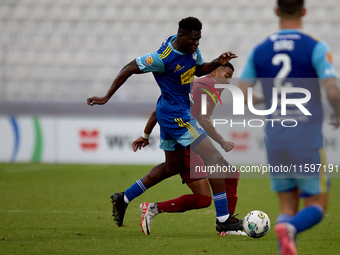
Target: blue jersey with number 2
(295, 60)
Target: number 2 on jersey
(284, 71)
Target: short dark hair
(290, 8)
(189, 24)
(230, 65)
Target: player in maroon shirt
(201, 86)
(206, 85)
(196, 181)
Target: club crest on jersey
(329, 57)
(194, 56)
(149, 61)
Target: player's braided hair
(290, 8)
(189, 24)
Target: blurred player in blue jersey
(285, 61)
(174, 66)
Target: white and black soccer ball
(256, 224)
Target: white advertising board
(108, 141)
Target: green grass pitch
(66, 209)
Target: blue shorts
(301, 162)
(180, 131)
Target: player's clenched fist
(97, 100)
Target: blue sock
(307, 218)
(284, 218)
(135, 190)
(221, 204)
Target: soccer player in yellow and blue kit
(174, 66)
(293, 59)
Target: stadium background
(56, 54)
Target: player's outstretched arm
(208, 67)
(144, 139)
(121, 78)
(208, 126)
(333, 96)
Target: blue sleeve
(249, 72)
(322, 60)
(199, 59)
(150, 63)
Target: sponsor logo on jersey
(275, 37)
(188, 76)
(178, 68)
(329, 57)
(149, 61)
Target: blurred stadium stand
(61, 52)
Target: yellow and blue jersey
(174, 73)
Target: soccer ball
(256, 224)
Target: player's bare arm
(243, 85)
(144, 140)
(121, 78)
(333, 96)
(208, 126)
(257, 98)
(208, 67)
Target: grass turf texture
(66, 209)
